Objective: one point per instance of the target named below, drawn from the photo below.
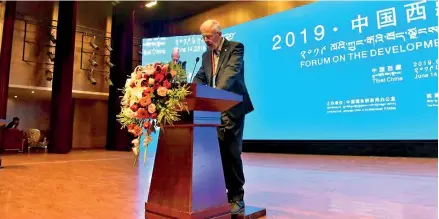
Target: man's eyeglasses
(207, 37)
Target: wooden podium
(187, 179)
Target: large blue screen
(334, 70)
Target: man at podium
(223, 68)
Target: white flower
(127, 112)
(137, 92)
(135, 142)
(128, 83)
(136, 150)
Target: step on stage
(251, 213)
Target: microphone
(193, 71)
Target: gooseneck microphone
(193, 71)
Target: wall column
(61, 117)
(5, 55)
(5, 61)
(122, 33)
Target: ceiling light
(33, 92)
(15, 96)
(151, 4)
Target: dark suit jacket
(182, 64)
(230, 75)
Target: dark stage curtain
(61, 117)
(122, 33)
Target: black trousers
(230, 135)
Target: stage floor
(104, 184)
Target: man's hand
(200, 77)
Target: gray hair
(175, 50)
(211, 24)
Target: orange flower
(151, 108)
(147, 91)
(136, 131)
(162, 91)
(145, 101)
(131, 126)
(146, 125)
(173, 73)
(142, 113)
(134, 107)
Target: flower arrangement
(153, 96)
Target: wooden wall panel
(90, 116)
(90, 124)
(232, 14)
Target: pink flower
(159, 78)
(162, 91)
(167, 84)
(164, 69)
(151, 108)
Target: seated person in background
(14, 124)
(176, 58)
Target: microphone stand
(193, 71)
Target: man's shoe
(237, 207)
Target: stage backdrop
(334, 70)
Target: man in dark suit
(176, 58)
(223, 68)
